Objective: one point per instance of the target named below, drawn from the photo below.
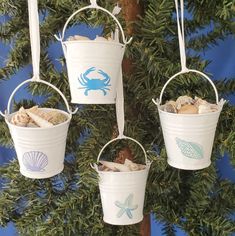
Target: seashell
(206, 108)
(170, 107)
(35, 161)
(98, 38)
(20, 118)
(183, 100)
(38, 120)
(198, 101)
(115, 166)
(188, 109)
(77, 37)
(131, 165)
(53, 117)
(56, 117)
(32, 125)
(190, 149)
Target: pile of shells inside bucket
(117, 167)
(37, 118)
(188, 105)
(80, 37)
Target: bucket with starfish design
(93, 66)
(122, 193)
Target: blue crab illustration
(126, 207)
(96, 83)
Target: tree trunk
(130, 10)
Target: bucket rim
(93, 42)
(48, 128)
(191, 115)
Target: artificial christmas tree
(199, 202)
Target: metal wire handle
(94, 5)
(123, 137)
(184, 72)
(43, 82)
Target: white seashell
(32, 125)
(132, 166)
(35, 161)
(115, 166)
(54, 117)
(20, 118)
(170, 107)
(38, 120)
(198, 101)
(98, 38)
(206, 108)
(183, 100)
(77, 37)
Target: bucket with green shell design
(189, 137)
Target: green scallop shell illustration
(190, 149)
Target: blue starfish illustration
(126, 207)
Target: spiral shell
(35, 161)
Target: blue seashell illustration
(126, 207)
(94, 83)
(35, 161)
(190, 149)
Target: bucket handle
(43, 82)
(124, 137)
(94, 5)
(183, 72)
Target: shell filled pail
(93, 66)
(40, 151)
(189, 138)
(122, 194)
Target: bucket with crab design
(93, 66)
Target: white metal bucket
(40, 151)
(93, 70)
(122, 193)
(93, 66)
(189, 138)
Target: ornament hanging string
(181, 34)
(184, 69)
(34, 37)
(121, 123)
(35, 51)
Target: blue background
(222, 65)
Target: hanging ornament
(94, 65)
(188, 124)
(39, 134)
(122, 185)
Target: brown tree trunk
(130, 10)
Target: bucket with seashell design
(93, 65)
(189, 133)
(122, 188)
(39, 136)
